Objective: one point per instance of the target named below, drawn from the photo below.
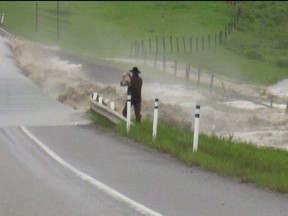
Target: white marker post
(2, 19)
(128, 121)
(155, 118)
(100, 100)
(94, 96)
(112, 105)
(196, 128)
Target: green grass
(265, 167)
(256, 52)
(107, 28)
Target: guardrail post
(155, 118)
(196, 128)
(128, 121)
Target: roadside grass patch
(265, 167)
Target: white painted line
(104, 188)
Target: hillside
(262, 37)
(255, 52)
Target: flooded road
(71, 82)
(23, 103)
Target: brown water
(68, 83)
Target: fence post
(131, 50)
(196, 128)
(286, 111)
(220, 38)
(142, 47)
(171, 44)
(155, 118)
(202, 42)
(199, 71)
(135, 48)
(228, 27)
(150, 46)
(239, 12)
(145, 56)
(184, 45)
(197, 44)
(271, 101)
(177, 43)
(238, 15)
(138, 48)
(164, 63)
(156, 45)
(128, 120)
(187, 72)
(190, 44)
(211, 84)
(155, 60)
(164, 47)
(175, 69)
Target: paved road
(50, 166)
(33, 184)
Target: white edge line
(104, 188)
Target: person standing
(134, 89)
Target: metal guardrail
(106, 111)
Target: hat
(135, 70)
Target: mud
(72, 83)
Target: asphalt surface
(50, 166)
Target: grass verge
(266, 167)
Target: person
(134, 87)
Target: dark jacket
(134, 89)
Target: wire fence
(160, 47)
(177, 44)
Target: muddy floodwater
(72, 82)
